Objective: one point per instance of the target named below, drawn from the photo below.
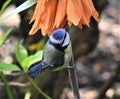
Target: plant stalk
(73, 79)
(38, 89)
(7, 88)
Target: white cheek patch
(52, 39)
(66, 40)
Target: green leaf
(9, 67)
(27, 4)
(4, 6)
(5, 35)
(31, 60)
(21, 53)
(6, 86)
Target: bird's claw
(70, 67)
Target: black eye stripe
(63, 39)
(60, 48)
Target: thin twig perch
(73, 79)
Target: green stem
(7, 88)
(38, 89)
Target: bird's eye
(66, 40)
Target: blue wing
(34, 71)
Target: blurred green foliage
(4, 6)
(5, 35)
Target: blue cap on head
(58, 36)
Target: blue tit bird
(57, 53)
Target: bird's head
(60, 39)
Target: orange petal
(61, 13)
(82, 12)
(87, 10)
(73, 12)
(35, 13)
(94, 12)
(49, 33)
(40, 9)
(48, 18)
(63, 22)
(80, 24)
(33, 30)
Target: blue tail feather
(37, 69)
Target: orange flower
(50, 15)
